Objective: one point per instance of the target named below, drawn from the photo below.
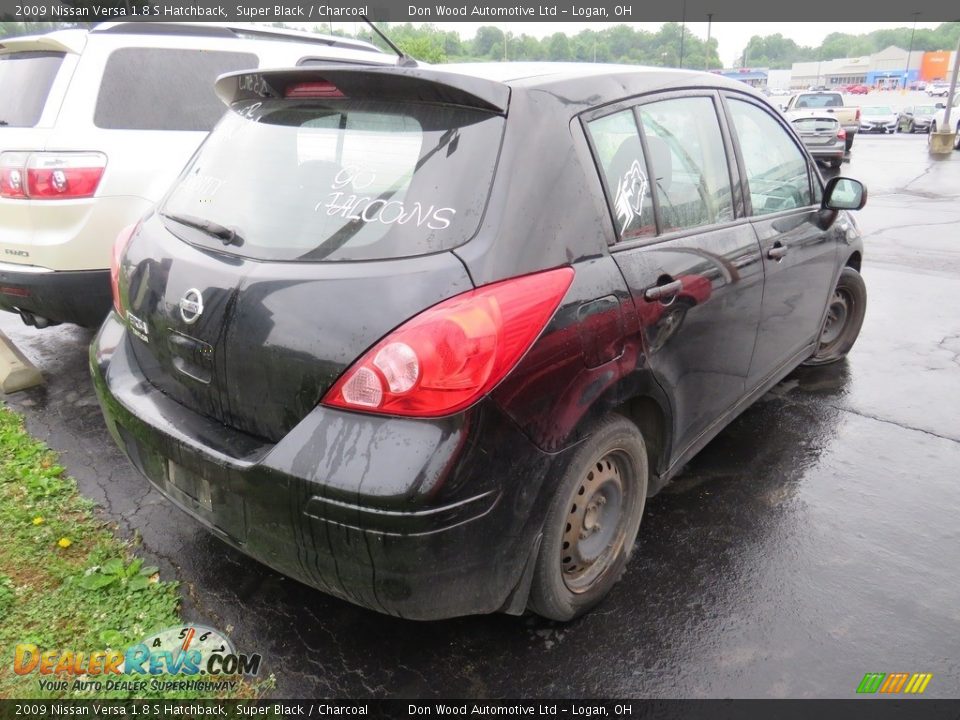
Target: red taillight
(51, 175)
(448, 356)
(313, 90)
(119, 245)
(858, 114)
(842, 134)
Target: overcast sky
(731, 37)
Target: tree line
(672, 45)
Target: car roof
(73, 40)
(602, 82)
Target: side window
(692, 179)
(620, 155)
(776, 168)
(164, 89)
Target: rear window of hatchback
(344, 180)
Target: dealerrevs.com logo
(186, 657)
(894, 683)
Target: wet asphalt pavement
(816, 539)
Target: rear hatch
(817, 130)
(316, 218)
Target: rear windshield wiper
(228, 236)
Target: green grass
(67, 582)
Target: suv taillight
(841, 134)
(50, 175)
(119, 245)
(444, 359)
(858, 115)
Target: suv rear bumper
(421, 519)
(82, 297)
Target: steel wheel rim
(837, 315)
(595, 522)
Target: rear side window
(25, 82)
(616, 141)
(348, 180)
(819, 101)
(689, 162)
(776, 168)
(164, 89)
(811, 125)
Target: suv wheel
(592, 523)
(841, 327)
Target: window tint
(352, 180)
(816, 125)
(776, 168)
(25, 81)
(164, 89)
(620, 155)
(819, 101)
(692, 180)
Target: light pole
(906, 75)
(683, 27)
(709, 26)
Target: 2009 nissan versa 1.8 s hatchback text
(427, 340)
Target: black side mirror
(844, 194)
(941, 106)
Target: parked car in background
(939, 89)
(824, 138)
(878, 119)
(344, 363)
(831, 103)
(916, 118)
(939, 118)
(96, 124)
(856, 89)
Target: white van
(95, 127)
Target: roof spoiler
(381, 83)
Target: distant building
(754, 77)
(778, 79)
(937, 65)
(884, 70)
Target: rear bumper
(81, 297)
(830, 152)
(421, 519)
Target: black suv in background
(427, 339)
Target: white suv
(938, 124)
(96, 126)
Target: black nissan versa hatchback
(427, 339)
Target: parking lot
(813, 540)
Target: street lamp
(707, 54)
(683, 28)
(906, 75)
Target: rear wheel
(592, 523)
(836, 162)
(848, 305)
(850, 141)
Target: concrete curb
(16, 372)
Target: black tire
(586, 545)
(899, 128)
(911, 128)
(850, 137)
(848, 305)
(835, 163)
(956, 139)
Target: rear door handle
(777, 252)
(663, 292)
